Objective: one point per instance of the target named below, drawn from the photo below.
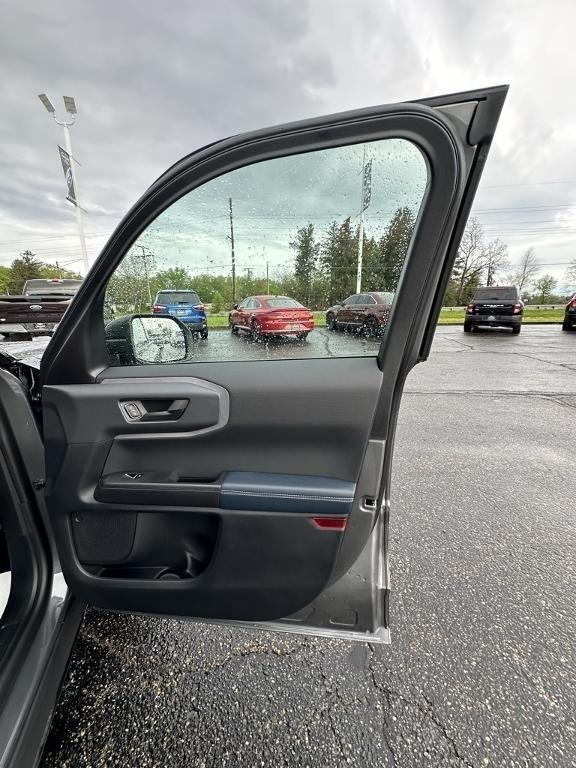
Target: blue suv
(186, 306)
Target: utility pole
(144, 257)
(233, 254)
(361, 225)
(70, 106)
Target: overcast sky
(154, 81)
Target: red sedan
(271, 316)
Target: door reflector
(330, 523)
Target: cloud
(155, 81)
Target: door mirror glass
(141, 339)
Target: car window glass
(296, 223)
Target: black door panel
(212, 515)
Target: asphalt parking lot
(481, 668)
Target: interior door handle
(153, 410)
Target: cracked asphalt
(481, 669)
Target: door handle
(153, 410)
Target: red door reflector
(330, 523)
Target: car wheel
(233, 328)
(371, 327)
(516, 329)
(204, 333)
(331, 323)
(566, 326)
(255, 331)
(302, 336)
(467, 327)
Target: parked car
(569, 321)
(186, 305)
(271, 316)
(38, 310)
(367, 312)
(498, 306)
(253, 490)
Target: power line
(527, 184)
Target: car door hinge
(38, 484)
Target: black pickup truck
(38, 310)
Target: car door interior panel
(214, 500)
(256, 490)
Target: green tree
(127, 290)
(176, 278)
(27, 267)
(394, 247)
(5, 274)
(55, 270)
(217, 303)
(372, 266)
(544, 289)
(306, 255)
(339, 258)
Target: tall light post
(70, 106)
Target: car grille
(495, 309)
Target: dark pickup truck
(38, 310)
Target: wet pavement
(481, 669)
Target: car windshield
(42, 287)
(496, 294)
(282, 301)
(383, 298)
(178, 297)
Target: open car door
(246, 477)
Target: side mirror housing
(139, 339)
(235, 306)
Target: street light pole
(70, 106)
(361, 227)
(231, 238)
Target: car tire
(371, 327)
(255, 331)
(468, 327)
(204, 333)
(566, 326)
(233, 328)
(516, 329)
(331, 323)
(302, 336)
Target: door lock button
(132, 411)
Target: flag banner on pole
(367, 185)
(66, 161)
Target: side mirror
(140, 339)
(235, 306)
